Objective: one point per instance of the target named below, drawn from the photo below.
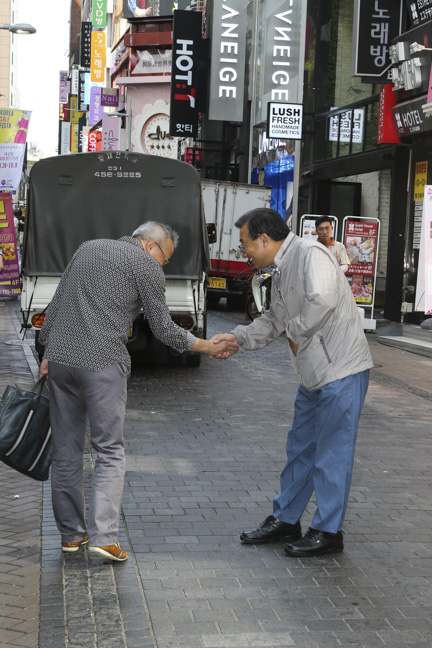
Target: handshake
(222, 346)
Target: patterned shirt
(100, 294)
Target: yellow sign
(420, 180)
(98, 54)
(74, 138)
(75, 115)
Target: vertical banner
(227, 64)
(74, 114)
(74, 143)
(82, 91)
(96, 110)
(99, 17)
(98, 55)
(280, 76)
(74, 89)
(9, 278)
(85, 45)
(387, 133)
(185, 49)
(420, 182)
(111, 133)
(423, 301)
(64, 87)
(65, 138)
(376, 23)
(361, 238)
(13, 136)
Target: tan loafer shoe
(112, 552)
(71, 547)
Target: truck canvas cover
(76, 198)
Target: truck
(76, 198)
(230, 275)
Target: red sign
(387, 133)
(9, 278)
(192, 155)
(94, 141)
(360, 242)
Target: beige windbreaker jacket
(312, 301)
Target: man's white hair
(159, 232)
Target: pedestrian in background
(312, 303)
(324, 229)
(102, 291)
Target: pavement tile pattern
(204, 451)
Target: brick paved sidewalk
(204, 451)
(20, 514)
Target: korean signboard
(420, 11)
(98, 54)
(65, 138)
(143, 62)
(186, 43)
(387, 133)
(361, 239)
(96, 110)
(340, 126)
(85, 44)
(376, 23)
(227, 63)
(64, 86)
(192, 155)
(13, 135)
(99, 17)
(284, 121)
(9, 278)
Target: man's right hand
(43, 369)
(230, 347)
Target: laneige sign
(282, 33)
(227, 74)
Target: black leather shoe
(272, 530)
(315, 543)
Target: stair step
(420, 347)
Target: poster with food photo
(362, 288)
(360, 243)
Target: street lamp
(19, 28)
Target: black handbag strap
(38, 387)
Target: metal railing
(347, 130)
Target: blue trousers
(320, 450)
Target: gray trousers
(100, 395)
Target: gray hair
(159, 232)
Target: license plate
(217, 282)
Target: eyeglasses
(166, 261)
(241, 247)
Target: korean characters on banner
(361, 239)
(98, 56)
(186, 43)
(10, 277)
